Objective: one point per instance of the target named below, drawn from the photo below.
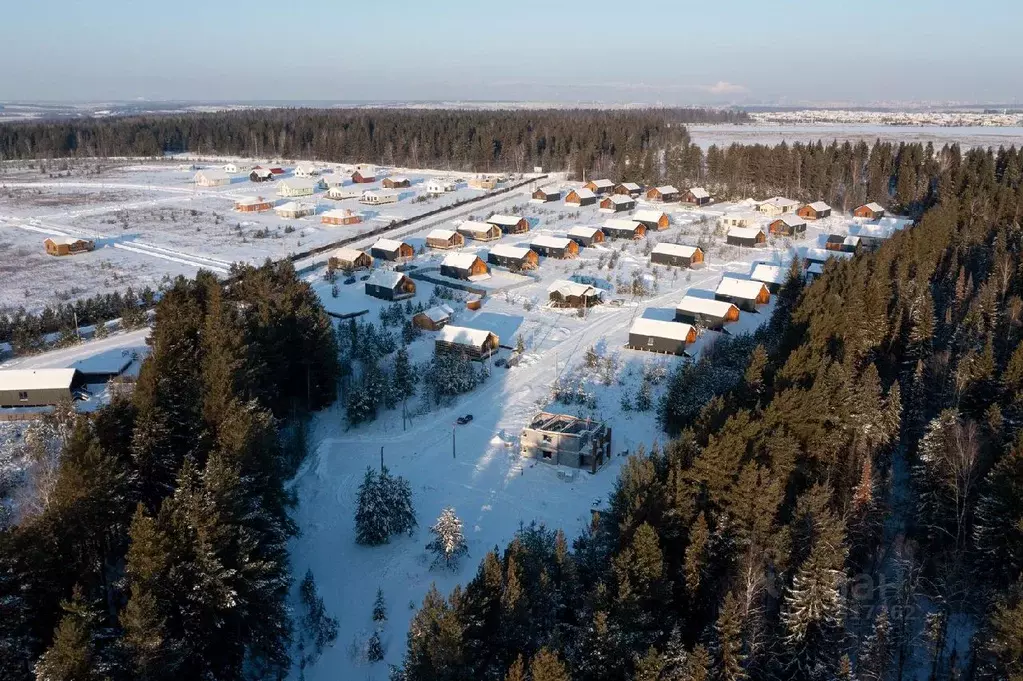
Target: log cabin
(555, 247)
(349, 259)
(67, 245)
(788, 225)
(509, 224)
(617, 203)
(698, 196)
(479, 231)
(541, 195)
(475, 344)
(600, 187)
(746, 236)
(565, 293)
(653, 219)
(624, 229)
(871, 211)
(586, 236)
(663, 194)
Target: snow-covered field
(775, 133)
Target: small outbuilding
(871, 211)
(433, 318)
(67, 245)
(349, 259)
(464, 266)
(653, 219)
(600, 187)
(586, 236)
(565, 293)
(541, 195)
(555, 247)
(444, 239)
(788, 225)
(814, 211)
(624, 229)
(676, 255)
(697, 196)
(479, 231)
(392, 250)
(746, 236)
(706, 312)
(253, 204)
(510, 224)
(477, 344)
(745, 294)
(388, 285)
(580, 197)
(654, 335)
(515, 258)
(663, 194)
(38, 387)
(617, 203)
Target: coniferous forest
(838, 496)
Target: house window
(547, 438)
(650, 341)
(548, 455)
(23, 396)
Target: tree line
(158, 547)
(845, 506)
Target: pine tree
(877, 651)
(318, 629)
(448, 544)
(372, 517)
(644, 398)
(379, 607)
(404, 375)
(375, 649)
(72, 656)
(546, 666)
(517, 671)
(397, 499)
(729, 649)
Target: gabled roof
(385, 278)
(399, 179)
(547, 191)
(666, 189)
(504, 220)
(654, 327)
(699, 193)
(261, 172)
(571, 288)
(306, 168)
(439, 313)
(214, 174)
(338, 213)
(820, 206)
(463, 335)
(292, 206)
(381, 192)
(622, 224)
(708, 306)
(37, 379)
(851, 240)
(600, 184)
(790, 220)
(822, 254)
(779, 201)
(474, 226)
(387, 245)
(445, 234)
(675, 249)
(67, 240)
(631, 186)
(366, 171)
(545, 241)
(462, 261)
(744, 232)
(347, 254)
(619, 199)
(769, 274)
(508, 251)
(872, 231)
(740, 288)
(876, 207)
(583, 193)
(583, 231)
(299, 183)
(647, 215)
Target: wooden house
(541, 195)
(706, 312)
(814, 270)
(463, 266)
(349, 259)
(676, 255)
(555, 247)
(871, 211)
(814, 211)
(515, 258)
(509, 224)
(340, 193)
(663, 194)
(746, 236)
(38, 387)
(845, 243)
(788, 225)
(745, 294)
(391, 250)
(654, 335)
(292, 210)
(364, 175)
(261, 175)
(298, 186)
(617, 203)
(483, 182)
(600, 187)
(822, 255)
(479, 231)
(772, 276)
(398, 182)
(253, 204)
(380, 197)
(653, 219)
(586, 236)
(697, 196)
(444, 239)
(565, 293)
(476, 344)
(67, 245)
(212, 177)
(777, 205)
(434, 318)
(340, 217)
(388, 285)
(306, 170)
(580, 197)
(872, 235)
(628, 189)
(624, 229)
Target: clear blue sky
(715, 51)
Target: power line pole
(381, 458)
(453, 441)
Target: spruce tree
(379, 607)
(448, 544)
(372, 517)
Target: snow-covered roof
(876, 207)
(791, 220)
(504, 220)
(571, 288)
(872, 231)
(675, 249)
(820, 206)
(547, 191)
(66, 240)
(382, 193)
(444, 234)
(399, 179)
(463, 335)
(600, 184)
(213, 174)
(732, 216)
(699, 193)
(300, 183)
(261, 172)
(439, 313)
(346, 254)
(769, 274)
(631, 186)
(338, 213)
(509, 251)
(647, 215)
(584, 193)
(583, 231)
(366, 171)
(740, 288)
(621, 199)
(545, 241)
(250, 201)
(744, 232)
(385, 278)
(780, 202)
(822, 254)
(474, 226)
(708, 306)
(462, 261)
(36, 379)
(622, 224)
(387, 245)
(305, 168)
(293, 207)
(815, 268)
(667, 189)
(655, 327)
(851, 240)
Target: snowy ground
(776, 133)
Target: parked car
(462, 420)
(364, 277)
(350, 280)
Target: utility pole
(381, 458)
(452, 441)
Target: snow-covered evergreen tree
(379, 607)
(448, 544)
(318, 629)
(375, 651)
(372, 518)
(397, 493)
